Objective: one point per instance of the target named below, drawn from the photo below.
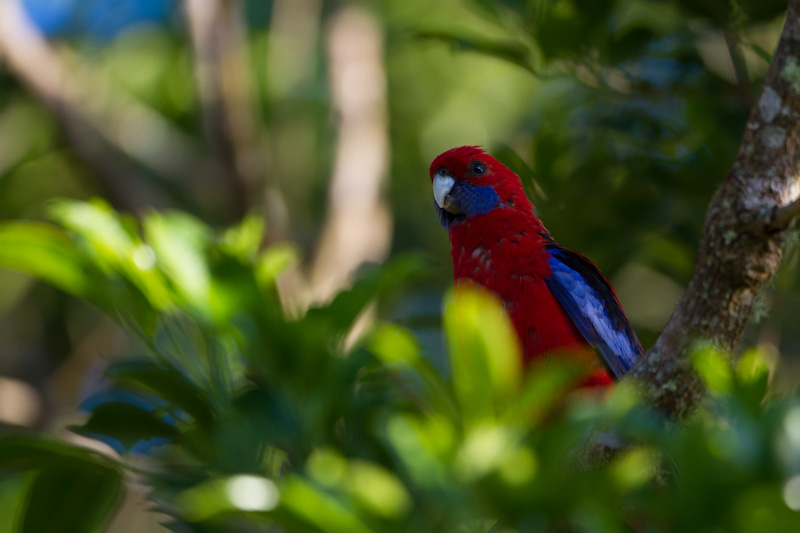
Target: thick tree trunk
(742, 240)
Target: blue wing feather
(592, 305)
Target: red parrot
(557, 299)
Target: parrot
(558, 301)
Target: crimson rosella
(557, 299)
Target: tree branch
(216, 29)
(34, 63)
(116, 137)
(358, 224)
(739, 67)
(784, 216)
(742, 241)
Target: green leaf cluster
(255, 418)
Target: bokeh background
(622, 117)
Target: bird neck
(488, 244)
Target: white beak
(442, 185)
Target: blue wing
(592, 305)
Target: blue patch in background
(99, 19)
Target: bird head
(468, 182)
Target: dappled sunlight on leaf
(420, 452)
(548, 381)
(635, 468)
(377, 489)
(756, 364)
(490, 449)
(714, 367)
(180, 242)
(393, 345)
(244, 240)
(273, 261)
(485, 355)
(112, 246)
(221, 495)
(318, 508)
(43, 251)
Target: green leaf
(235, 290)
(45, 252)
(485, 356)
(760, 52)
(487, 448)
(424, 446)
(319, 508)
(714, 367)
(165, 382)
(72, 498)
(635, 467)
(109, 241)
(244, 240)
(126, 423)
(374, 487)
(274, 261)
(513, 52)
(378, 489)
(71, 489)
(12, 490)
(546, 385)
(342, 311)
(753, 372)
(755, 365)
(393, 344)
(398, 349)
(224, 495)
(32, 452)
(180, 242)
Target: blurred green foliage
(252, 420)
(626, 115)
(241, 413)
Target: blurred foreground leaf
(43, 251)
(485, 356)
(70, 489)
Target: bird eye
(477, 168)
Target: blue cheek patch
(475, 200)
